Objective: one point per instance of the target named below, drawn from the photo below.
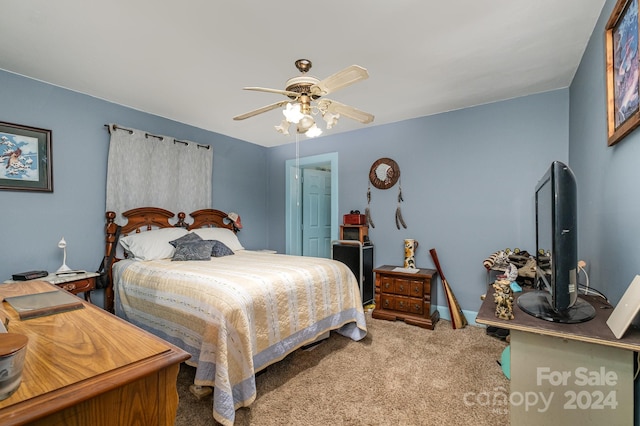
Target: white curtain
(146, 170)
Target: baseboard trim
(469, 315)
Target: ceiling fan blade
(341, 79)
(260, 110)
(288, 93)
(349, 111)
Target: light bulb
(331, 119)
(305, 123)
(313, 131)
(292, 113)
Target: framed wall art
(621, 41)
(25, 158)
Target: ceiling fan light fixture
(292, 113)
(283, 127)
(306, 97)
(306, 123)
(331, 119)
(314, 131)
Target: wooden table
(75, 283)
(583, 372)
(88, 367)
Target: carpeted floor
(398, 375)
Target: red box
(354, 219)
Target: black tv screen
(556, 298)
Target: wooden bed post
(110, 242)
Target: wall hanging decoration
(384, 173)
(399, 218)
(25, 158)
(621, 38)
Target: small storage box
(354, 219)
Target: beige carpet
(398, 375)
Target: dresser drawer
(418, 288)
(78, 286)
(402, 304)
(402, 286)
(409, 304)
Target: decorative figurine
(503, 296)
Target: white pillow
(152, 245)
(224, 235)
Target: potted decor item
(410, 247)
(13, 348)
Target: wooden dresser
(405, 296)
(87, 367)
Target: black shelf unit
(359, 258)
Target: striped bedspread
(238, 314)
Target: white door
(316, 213)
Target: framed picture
(25, 158)
(621, 40)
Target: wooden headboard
(148, 218)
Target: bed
(235, 313)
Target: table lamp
(63, 245)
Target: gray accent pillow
(187, 238)
(195, 250)
(220, 249)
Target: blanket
(238, 314)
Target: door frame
(293, 200)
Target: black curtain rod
(149, 135)
(116, 127)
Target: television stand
(580, 373)
(536, 303)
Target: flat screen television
(556, 295)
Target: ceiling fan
(306, 98)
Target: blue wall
(467, 180)
(33, 223)
(609, 206)
(608, 176)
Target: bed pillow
(194, 250)
(152, 245)
(224, 235)
(220, 249)
(188, 238)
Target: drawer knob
(69, 287)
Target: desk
(88, 367)
(567, 373)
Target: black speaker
(356, 256)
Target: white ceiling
(188, 60)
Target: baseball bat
(458, 319)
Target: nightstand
(406, 296)
(78, 283)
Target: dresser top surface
(73, 347)
(391, 270)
